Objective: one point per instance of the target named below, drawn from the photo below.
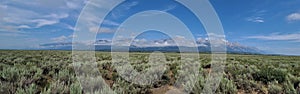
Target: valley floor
(47, 72)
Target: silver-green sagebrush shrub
(227, 86)
(32, 89)
(58, 87)
(274, 88)
(289, 88)
(10, 74)
(75, 88)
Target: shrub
(10, 74)
(248, 85)
(289, 88)
(58, 87)
(32, 89)
(270, 74)
(227, 87)
(273, 88)
(198, 87)
(75, 88)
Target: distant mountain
(163, 45)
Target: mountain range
(162, 45)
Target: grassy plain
(52, 72)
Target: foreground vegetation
(48, 72)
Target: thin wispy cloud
(119, 12)
(43, 22)
(68, 26)
(255, 19)
(110, 23)
(257, 16)
(63, 38)
(102, 30)
(278, 37)
(93, 19)
(34, 16)
(60, 39)
(75, 4)
(168, 8)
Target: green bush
(32, 89)
(75, 88)
(274, 88)
(10, 74)
(289, 88)
(58, 87)
(227, 86)
(270, 74)
(198, 87)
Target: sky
(270, 25)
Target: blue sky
(270, 25)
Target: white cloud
(24, 26)
(119, 12)
(182, 41)
(36, 14)
(293, 17)
(168, 8)
(63, 38)
(101, 30)
(278, 37)
(3, 6)
(255, 19)
(70, 27)
(103, 4)
(72, 36)
(96, 10)
(60, 39)
(43, 22)
(111, 23)
(57, 16)
(93, 17)
(129, 5)
(12, 34)
(175, 41)
(73, 4)
(257, 16)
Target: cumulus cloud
(175, 41)
(293, 17)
